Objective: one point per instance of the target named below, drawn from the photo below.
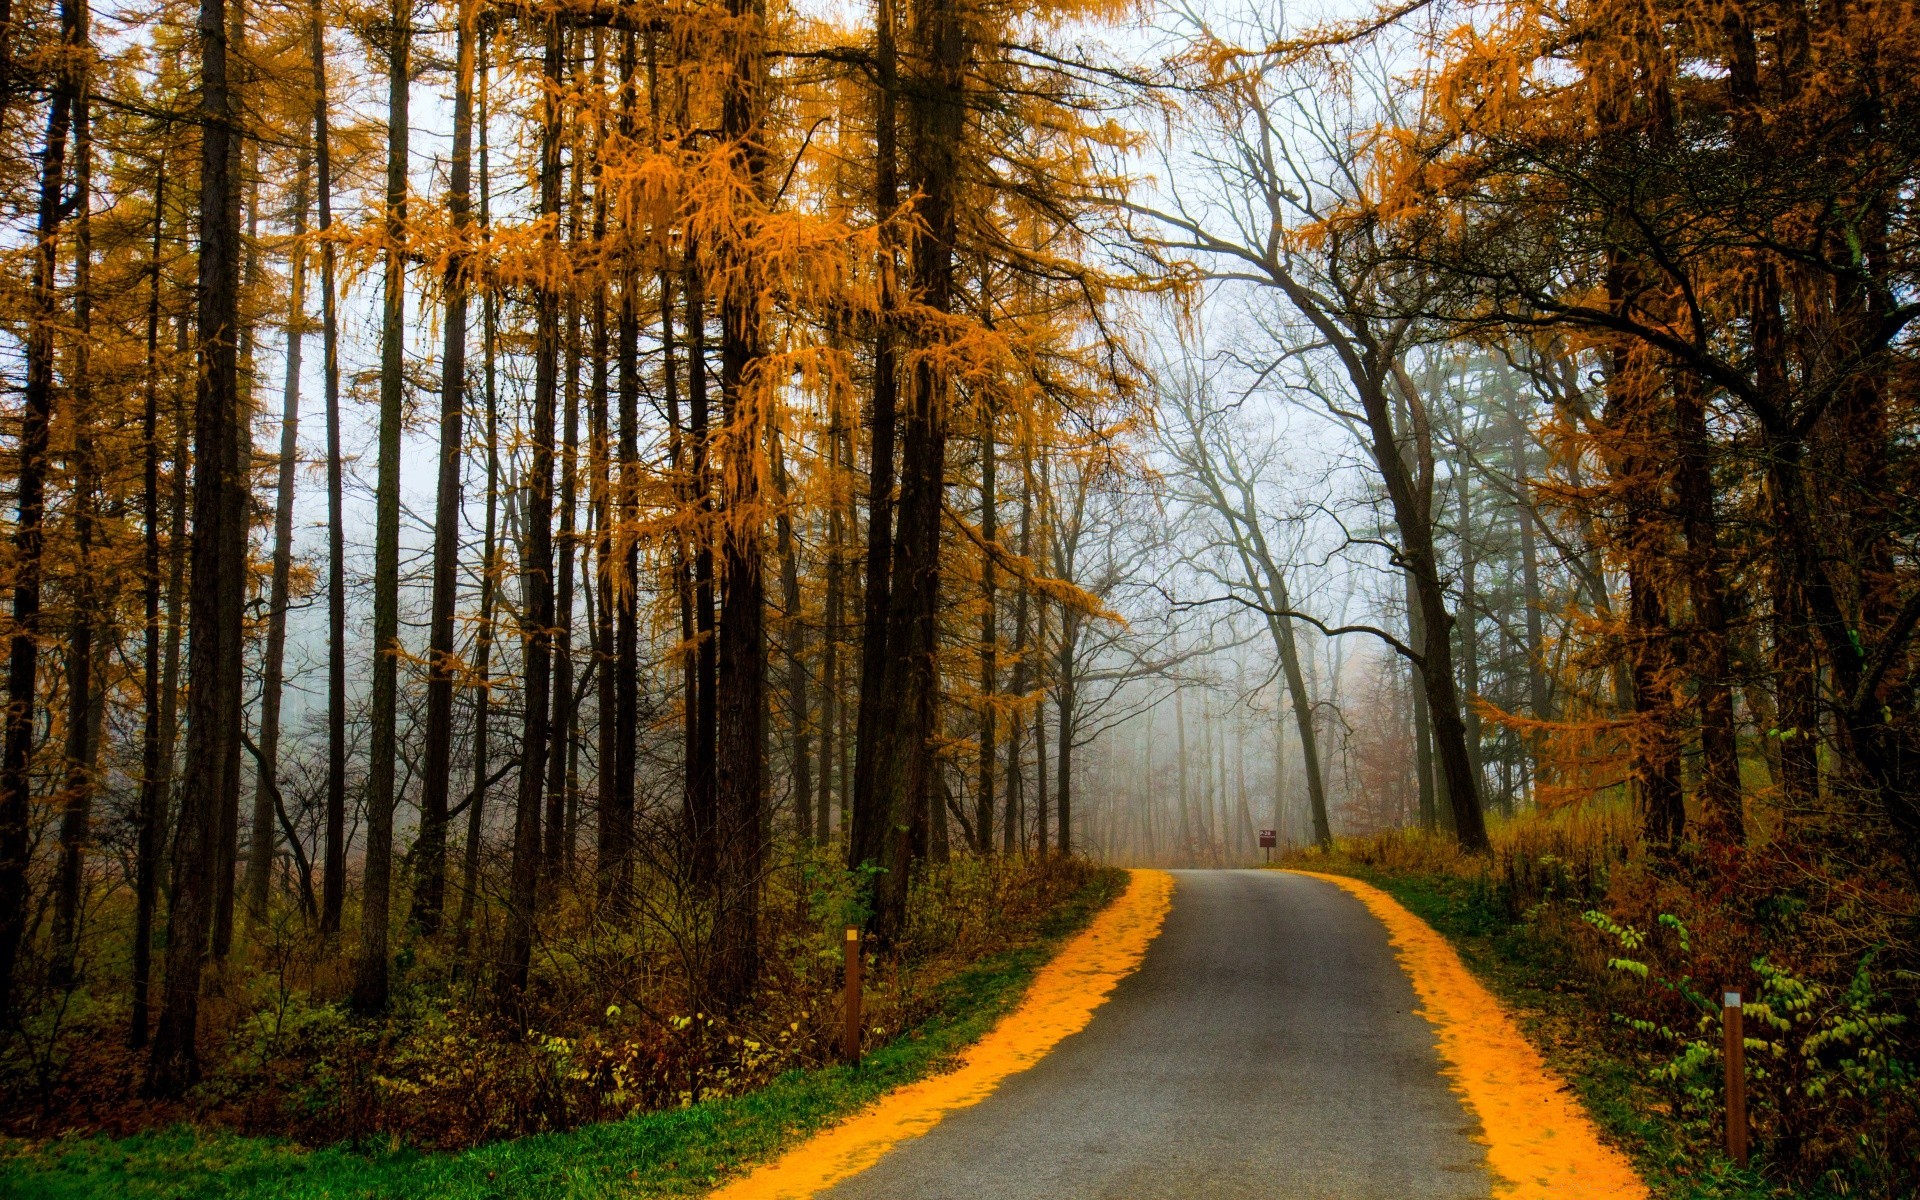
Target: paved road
(1267, 1047)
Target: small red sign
(1268, 839)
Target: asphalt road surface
(1266, 1047)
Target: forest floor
(673, 1152)
(1526, 966)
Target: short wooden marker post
(852, 1046)
(1736, 1059)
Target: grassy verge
(1529, 973)
(673, 1153)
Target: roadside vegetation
(591, 1102)
(1612, 959)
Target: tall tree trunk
(903, 749)
(218, 590)
(333, 876)
(700, 814)
(153, 768)
(869, 830)
(246, 151)
(1186, 804)
(260, 853)
(616, 822)
(620, 691)
(833, 774)
(1040, 800)
(1469, 624)
(430, 850)
(23, 664)
(1065, 694)
(740, 735)
(989, 634)
(1722, 809)
(536, 569)
(370, 974)
(1014, 820)
(490, 567)
(1538, 705)
(82, 748)
(794, 636)
(556, 850)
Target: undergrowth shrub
(1822, 943)
(614, 1021)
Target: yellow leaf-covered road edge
(1059, 1003)
(1540, 1144)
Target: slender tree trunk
(1722, 809)
(1540, 708)
(536, 570)
(218, 589)
(740, 758)
(833, 775)
(620, 694)
(700, 815)
(870, 831)
(799, 714)
(430, 850)
(1013, 824)
(490, 566)
(333, 877)
(556, 850)
(153, 768)
(82, 748)
(1469, 624)
(370, 974)
(989, 635)
(260, 853)
(1186, 803)
(16, 781)
(1064, 697)
(903, 748)
(1041, 815)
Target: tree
(218, 588)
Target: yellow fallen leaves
(1540, 1145)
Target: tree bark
(1722, 809)
(370, 981)
(333, 873)
(217, 592)
(989, 636)
(490, 567)
(430, 848)
(260, 853)
(794, 636)
(740, 734)
(903, 749)
(29, 538)
(536, 570)
(869, 828)
(153, 768)
(82, 748)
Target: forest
(526, 518)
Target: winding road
(1268, 1046)
(1215, 1035)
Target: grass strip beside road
(677, 1152)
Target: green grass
(1527, 972)
(674, 1153)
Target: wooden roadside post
(1736, 1060)
(852, 1044)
